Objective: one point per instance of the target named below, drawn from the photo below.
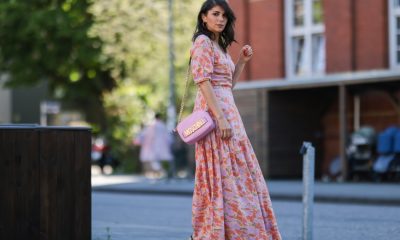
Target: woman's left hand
(245, 53)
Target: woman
(231, 199)
(156, 147)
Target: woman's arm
(238, 70)
(209, 95)
(245, 55)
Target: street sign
(50, 107)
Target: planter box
(45, 184)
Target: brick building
(321, 69)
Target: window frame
(394, 13)
(307, 31)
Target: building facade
(320, 70)
(21, 105)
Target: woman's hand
(224, 127)
(212, 102)
(245, 54)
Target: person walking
(231, 199)
(155, 148)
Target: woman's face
(215, 19)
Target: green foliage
(125, 109)
(134, 33)
(48, 41)
(135, 45)
(108, 58)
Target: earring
(204, 24)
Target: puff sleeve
(202, 59)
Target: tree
(135, 44)
(44, 40)
(107, 57)
(134, 33)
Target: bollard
(308, 152)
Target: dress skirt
(231, 199)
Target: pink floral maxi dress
(231, 199)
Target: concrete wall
(26, 103)
(5, 103)
(22, 104)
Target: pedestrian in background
(155, 141)
(231, 199)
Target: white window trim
(393, 14)
(308, 30)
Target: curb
(282, 197)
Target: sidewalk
(357, 193)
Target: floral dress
(231, 200)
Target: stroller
(360, 152)
(387, 165)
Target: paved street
(151, 217)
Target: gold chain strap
(187, 84)
(184, 94)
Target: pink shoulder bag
(195, 126)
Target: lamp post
(171, 113)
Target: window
(305, 39)
(394, 33)
(298, 55)
(298, 13)
(317, 12)
(318, 53)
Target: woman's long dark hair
(228, 35)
